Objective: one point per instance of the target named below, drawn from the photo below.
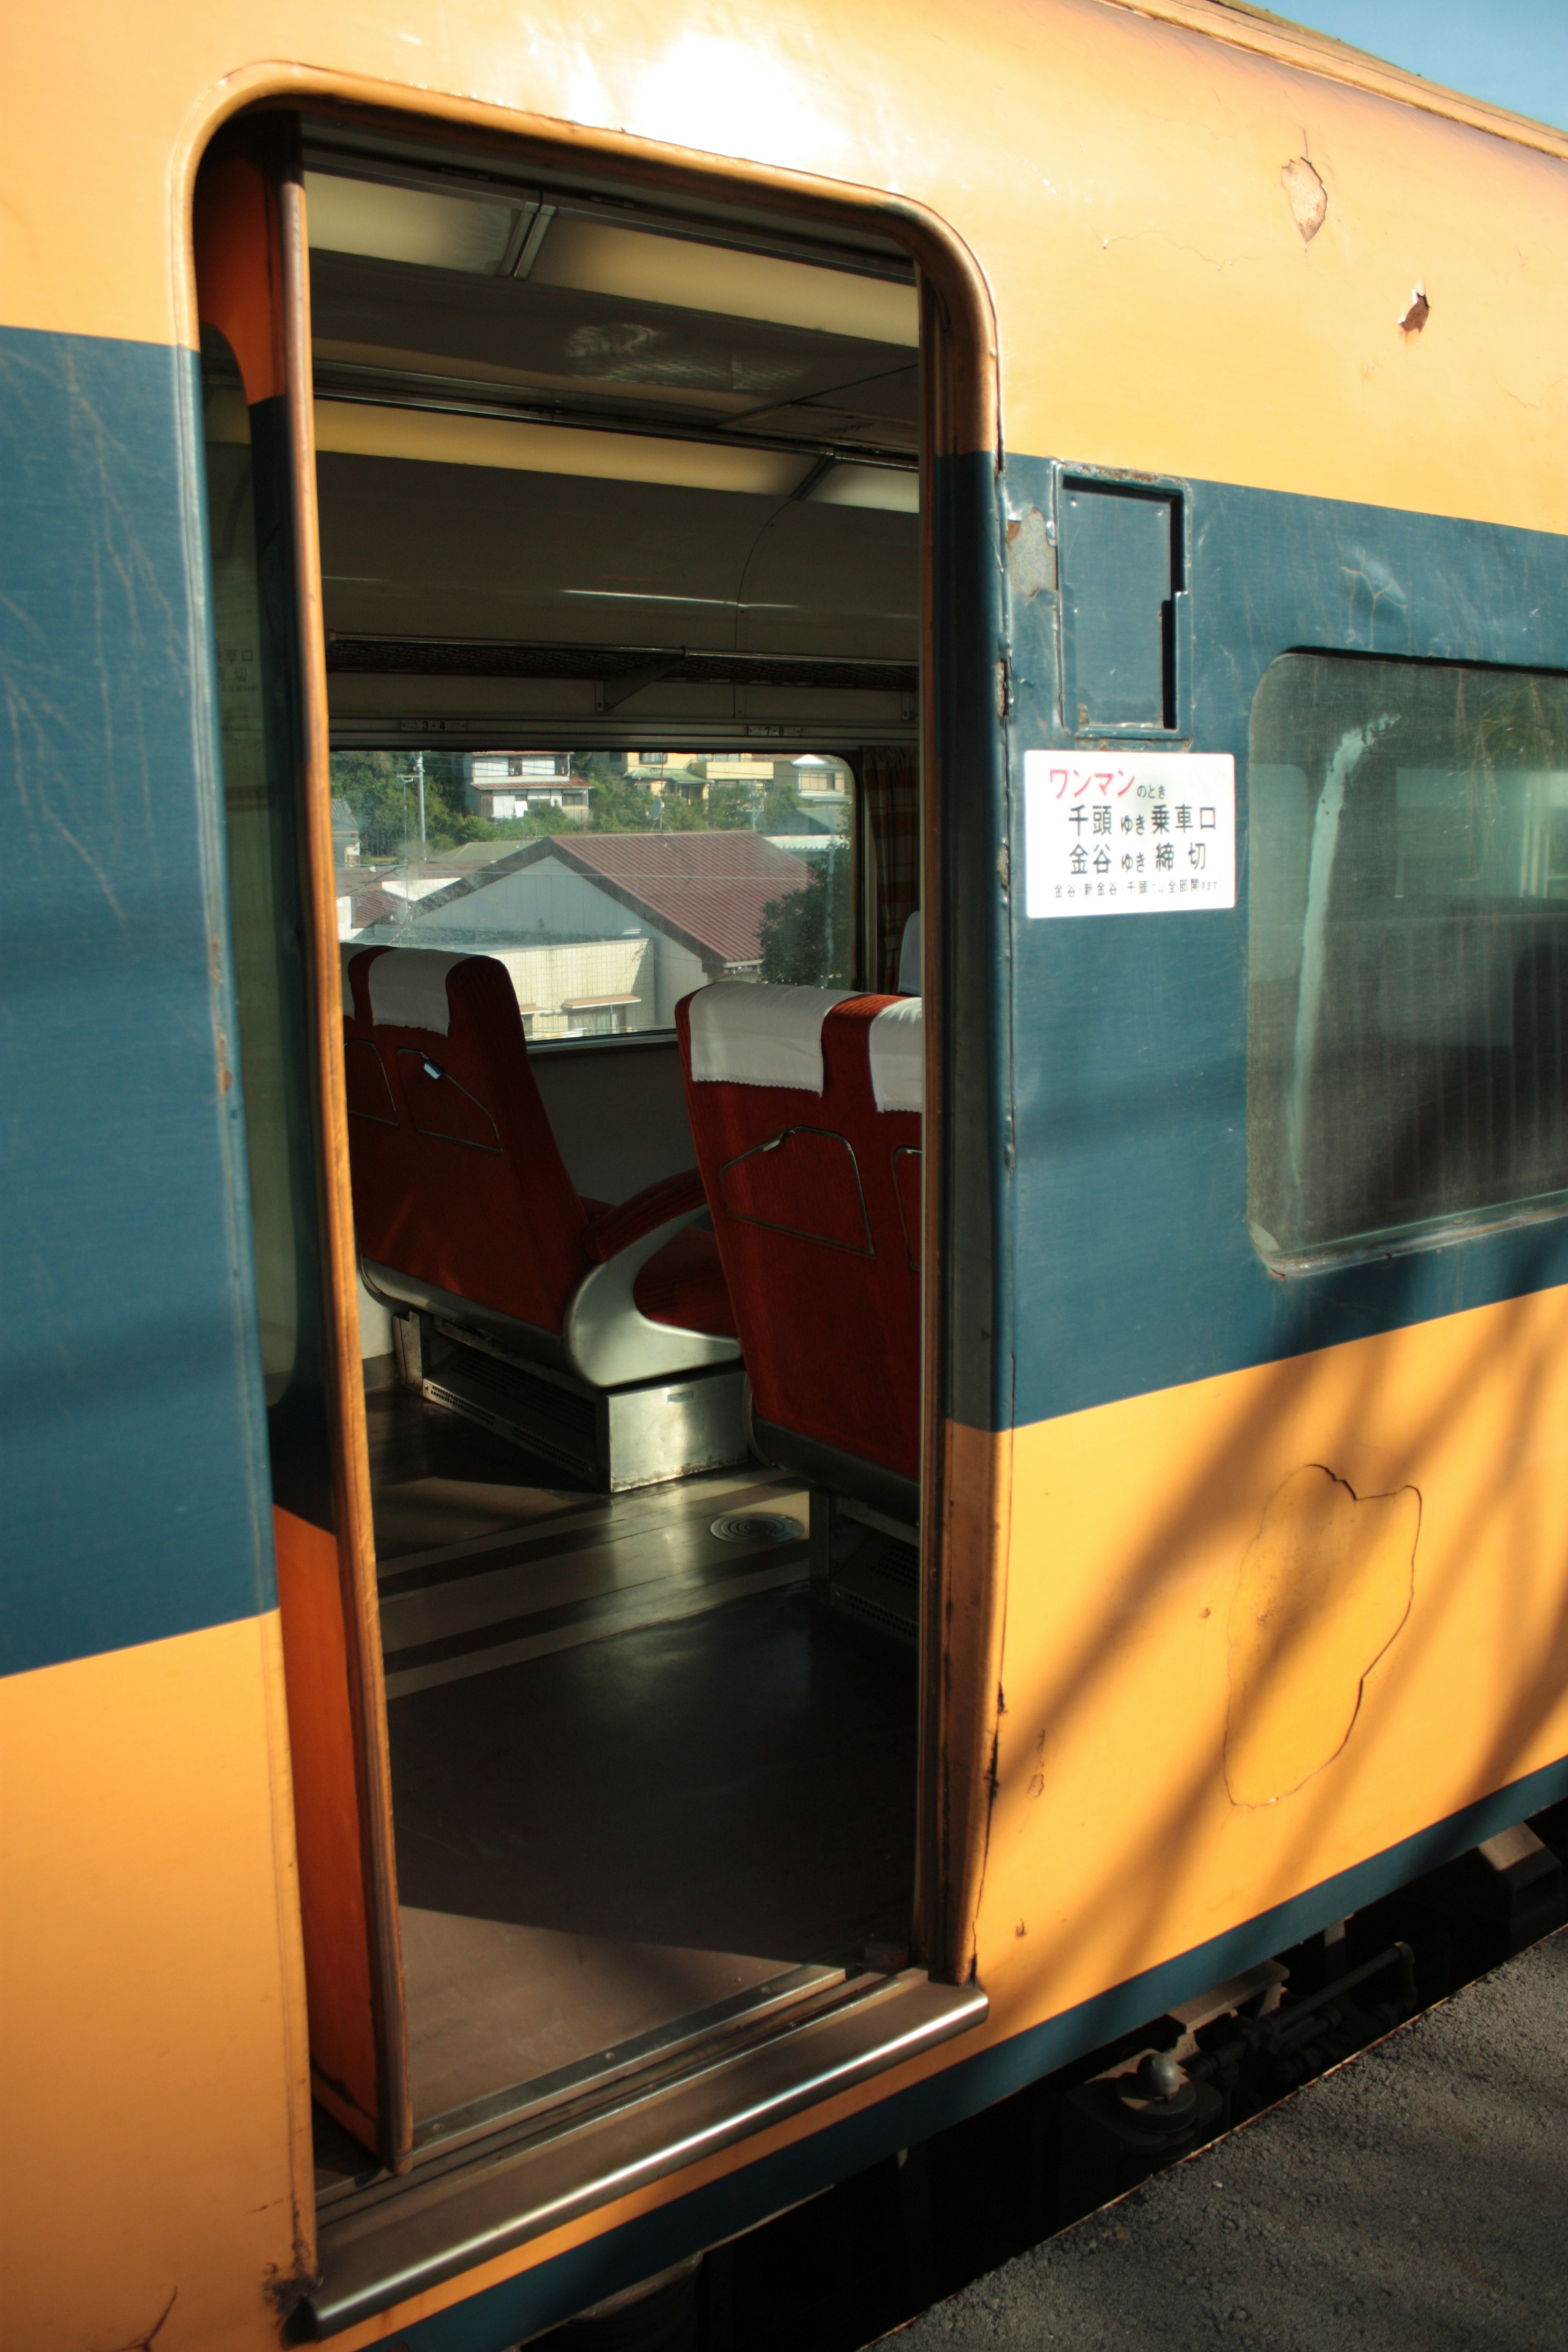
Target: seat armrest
(617, 1228)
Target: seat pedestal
(641, 1435)
(866, 1564)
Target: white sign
(1129, 833)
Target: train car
(595, 1639)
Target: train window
(611, 884)
(595, 472)
(1408, 1011)
(267, 928)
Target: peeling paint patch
(1031, 558)
(1324, 1588)
(1306, 196)
(1417, 313)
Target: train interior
(632, 1054)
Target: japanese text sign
(1139, 832)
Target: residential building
(822, 786)
(363, 904)
(506, 785)
(697, 900)
(747, 768)
(345, 834)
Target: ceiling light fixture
(491, 234)
(594, 256)
(482, 235)
(439, 437)
(896, 490)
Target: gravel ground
(1416, 2199)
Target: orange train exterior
(1137, 1436)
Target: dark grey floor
(635, 1770)
(1417, 2200)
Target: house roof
(706, 890)
(368, 902)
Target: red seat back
(816, 1208)
(457, 1178)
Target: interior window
(1409, 954)
(611, 884)
(597, 474)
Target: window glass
(1409, 954)
(610, 884)
(252, 618)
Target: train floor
(635, 1772)
(1411, 2201)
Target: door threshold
(466, 2205)
(532, 2101)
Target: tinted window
(253, 618)
(1409, 954)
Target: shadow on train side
(855, 2263)
(870, 2254)
(1284, 1720)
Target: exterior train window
(1409, 1015)
(271, 984)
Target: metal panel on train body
(1128, 1399)
(1183, 1416)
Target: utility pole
(419, 772)
(828, 973)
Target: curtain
(890, 779)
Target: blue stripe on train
(1132, 1266)
(133, 1456)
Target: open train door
(253, 290)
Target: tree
(619, 807)
(776, 808)
(806, 935)
(380, 788)
(600, 767)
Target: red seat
(462, 1203)
(814, 1191)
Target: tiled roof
(709, 888)
(368, 902)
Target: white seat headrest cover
(750, 1034)
(408, 990)
(896, 1049)
(909, 957)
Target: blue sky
(1513, 52)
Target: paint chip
(1419, 311)
(1306, 196)
(1031, 558)
(1323, 1590)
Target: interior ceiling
(509, 538)
(587, 356)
